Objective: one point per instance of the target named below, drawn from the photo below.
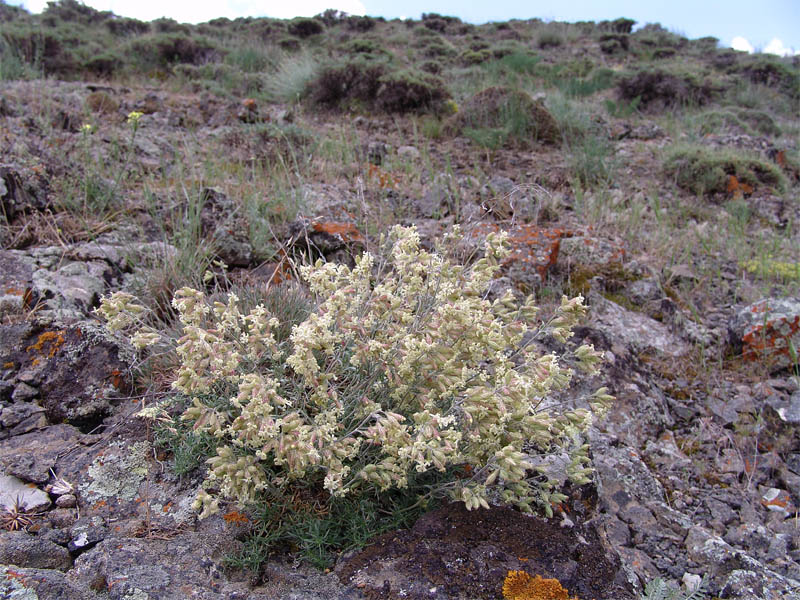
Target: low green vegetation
(705, 171)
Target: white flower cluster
(404, 367)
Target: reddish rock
(592, 251)
(534, 250)
(333, 240)
(768, 329)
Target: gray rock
(433, 203)
(739, 575)
(72, 289)
(637, 331)
(507, 200)
(221, 222)
(408, 152)
(643, 291)
(67, 501)
(44, 584)
(15, 494)
(25, 550)
(793, 462)
(765, 329)
(21, 191)
(86, 533)
(24, 393)
(33, 455)
(84, 348)
(665, 453)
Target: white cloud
(776, 47)
(191, 11)
(740, 43)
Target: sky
(765, 25)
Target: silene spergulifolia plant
(404, 366)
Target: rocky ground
(697, 463)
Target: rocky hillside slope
(657, 176)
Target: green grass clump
(549, 39)
(499, 116)
(290, 80)
(748, 121)
(706, 171)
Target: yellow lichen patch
(53, 340)
(789, 271)
(518, 585)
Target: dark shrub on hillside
(103, 65)
(434, 67)
(374, 84)
(656, 36)
(172, 49)
(659, 89)
(266, 30)
(611, 43)
(741, 120)
(122, 26)
(760, 121)
(72, 11)
(289, 44)
(438, 17)
(435, 24)
(360, 23)
(407, 90)
(363, 46)
(549, 39)
(353, 80)
(664, 53)
(304, 28)
(620, 25)
(9, 12)
(331, 17)
(509, 116)
(725, 59)
(705, 171)
(165, 25)
(44, 49)
(437, 47)
(473, 57)
(772, 73)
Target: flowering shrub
(404, 367)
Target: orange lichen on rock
(384, 179)
(235, 518)
(773, 332)
(738, 188)
(53, 339)
(518, 585)
(531, 246)
(346, 232)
